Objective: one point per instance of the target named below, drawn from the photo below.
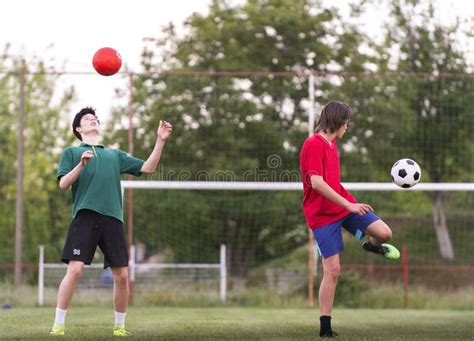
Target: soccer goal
(263, 227)
(184, 226)
(210, 277)
(288, 186)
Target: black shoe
(386, 250)
(367, 246)
(330, 333)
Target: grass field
(151, 323)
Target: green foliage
(352, 292)
(45, 209)
(231, 127)
(416, 105)
(419, 297)
(248, 127)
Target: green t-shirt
(98, 186)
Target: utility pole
(131, 249)
(20, 155)
(130, 151)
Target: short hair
(333, 116)
(77, 119)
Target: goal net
(181, 225)
(231, 175)
(263, 228)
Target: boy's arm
(318, 184)
(163, 132)
(67, 180)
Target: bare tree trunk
(234, 248)
(441, 228)
(243, 256)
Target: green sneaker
(390, 251)
(386, 250)
(119, 330)
(57, 330)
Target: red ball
(107, 61)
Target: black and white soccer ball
(405, 173)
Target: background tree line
(244, 123)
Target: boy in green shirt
(94, 172)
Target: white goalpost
(292, 186)
(51, 273)
(213, 276)
(288, 186)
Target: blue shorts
(328, 238)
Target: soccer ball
(107, 61)
(405, 173)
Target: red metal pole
(130, 151)
(310, 269)
(370, 268)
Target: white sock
(120, 318)
(60, 316)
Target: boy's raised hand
(164, 130)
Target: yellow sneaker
(119, 330)
(57, 330)
(386, 250)
(390, 251)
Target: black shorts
(89, 229)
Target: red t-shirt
(319, 157)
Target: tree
(439, 102)
(236, 124)
(45, 208)
(420, 108)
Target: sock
(325, 325)
(120, 318)
(60, 316)
(368, 246)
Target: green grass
(152, 323)
(353, 292)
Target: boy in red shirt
(329, 207)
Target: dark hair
(333, 116)
(77, 119)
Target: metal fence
(247, 126)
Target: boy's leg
(65, 292)
(79, 249)
(121, 293)
(327, 291)
(114, 247)
(329, 242)
(120, 289)
(379, 233)
(66, 288)
(327, 288)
